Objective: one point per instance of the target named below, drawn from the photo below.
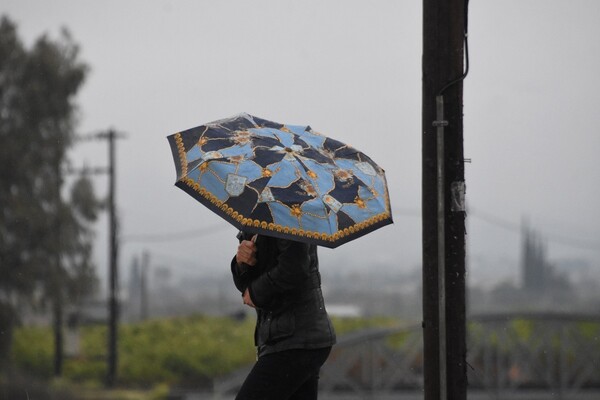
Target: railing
(379, 360)
(516, 356)
(557, 353)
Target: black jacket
(285, 287)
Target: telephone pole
(443, 219)
(144, 285)
(113, 233)
(57, 288)
(113, 306)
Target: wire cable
(513, 227)
(174, 236)
(466, 41)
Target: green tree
(45, 240)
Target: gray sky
(350, 69)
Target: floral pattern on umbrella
(282, 180)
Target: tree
(45, 240)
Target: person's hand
(247, 299)
(247, 252)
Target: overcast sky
(352, 70)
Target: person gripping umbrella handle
(246, 254)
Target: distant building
(136, 297)
(536, 272)
(539, 277)
(344, 310)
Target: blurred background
(73, 71)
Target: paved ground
(472, 395)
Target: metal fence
(509, 356)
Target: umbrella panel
(284, 181)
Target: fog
(351, 70)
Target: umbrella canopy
(280, 180)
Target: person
(293, 335)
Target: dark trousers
(286, 375)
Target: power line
(497, 221)
(180, 263)
(408, 212)
(196, 233)
(513, 227)
(174, 236)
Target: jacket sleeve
(291, 271)
(242, 275)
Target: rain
(350, 70)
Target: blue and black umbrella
(279, 180)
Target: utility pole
(144, 286)
(113, 307)
(443, 219)
(57, 309)
(57, 288)
(113, 297)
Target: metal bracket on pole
(440, 123)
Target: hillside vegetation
(187, 351)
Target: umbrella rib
(304, 175)
(203, 162)
(309, 179)
(300, 185)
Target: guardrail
(512, 355)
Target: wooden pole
(113, 277)
(57, 285)
(444, 321)
(113, 270)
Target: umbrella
(280, 180)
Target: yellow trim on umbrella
(182, 157)
(235, 215)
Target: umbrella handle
(242, 236)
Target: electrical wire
(179, 263)
(408, 212)
(174, 236)
(466, 41)
(513, 227)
